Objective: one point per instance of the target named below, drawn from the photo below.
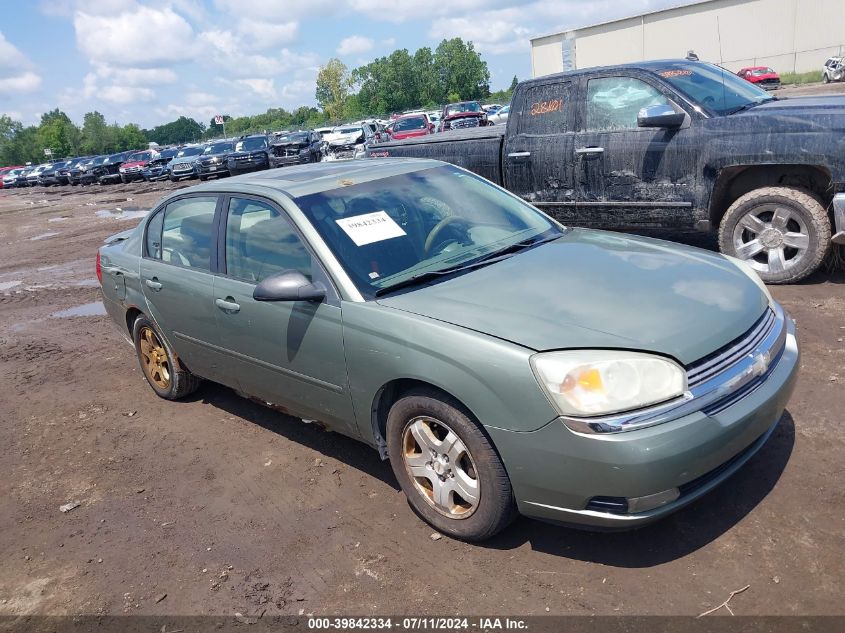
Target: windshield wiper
(750, 105)
(484, 260)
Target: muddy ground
(225, 506)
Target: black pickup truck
(674, 145)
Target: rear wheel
(781, 232)
(447, 467)
(825, 79)
(159, 364)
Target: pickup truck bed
(477, 149)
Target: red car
(763, 76)
(133, 166)
(411, 125)
(462, 115)
(6, 170)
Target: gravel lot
(225, 506)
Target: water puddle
(61, 218)
(119, 213)
(44, 236)
(8, 285)
(95, 308)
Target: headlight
(752, 274)
(600, 382)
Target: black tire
(203, 178)
(800, 204)
(180, 381)
(825, 79)
(495, 508)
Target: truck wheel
(158, 363)
(782, 232)
(447, 467)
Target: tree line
(400, 81)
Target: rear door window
(546, 109)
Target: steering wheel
(431, 240)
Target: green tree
(429, 92)
(333, 85)
(9, 130)
(59, 134)
(96, 136)
(182, 130)
(130, 136)
(461, 71)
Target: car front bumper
(556, 472)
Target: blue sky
(149, 62)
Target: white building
(788, 35)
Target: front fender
(489, 376)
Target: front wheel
(825, 79)
(447, 467)
(159, 365)
(781, 232)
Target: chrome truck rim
(441, 467)
(771, 238)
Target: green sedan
(503, 363)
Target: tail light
(99, 269)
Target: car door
(628, 176)
(288, 353)
(538, 150)
(177, 281)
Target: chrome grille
(714, 364)
(466, 122)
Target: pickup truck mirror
(660, 116)
(288, 285)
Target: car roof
(303, 180)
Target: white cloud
(260, 35)
(223, 49)
(16, 75)
(262, 87)
(498, 33)
(125, 94)
(136, 76)
(279, 10)
(151, 36)
(26, 82)
(66, 8)
(354, 45)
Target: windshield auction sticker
(370, 227)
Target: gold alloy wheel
(441, 467)
(154, 359)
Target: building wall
(789, 35)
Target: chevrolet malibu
(503, 363)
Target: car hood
(592, 289)
(398, 136)
(831, 104)
(342, 139)
(462, 115)
(218, 155)
(136, 163)
(184, 159)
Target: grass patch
(814, 76)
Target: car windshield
(168, 153)
(411, 123)
(762, 71)
(296, 137)
(189, 151)
(99, 160)
(713, 87)
(138, 157)
(463, 107)
(388, 231)
(219, 148)
(250, 144)
(347, 130)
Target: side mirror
(288, 285)
(660, 116)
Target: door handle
(519, 154)
(226, 305)
(589, 150)
(153, 284)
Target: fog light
(650, 502)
